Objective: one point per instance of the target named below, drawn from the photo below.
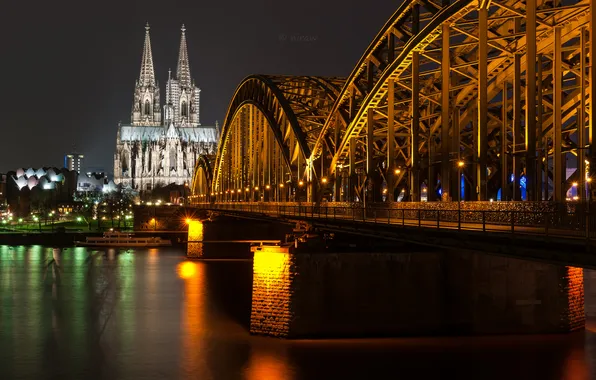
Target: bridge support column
(446, 166)
(592, 91)
(415, 128)
(351, 294)
(558, 155)
(390, 174)
(531, 178)
(482, 144)
(517, 137)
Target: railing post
(512, 221)
(375, 215)
(419, 222)
(438, 218)
(389, 216)
(334, 213)
(483, 221)
(403, 216)
(458, 218)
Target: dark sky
(69, 67)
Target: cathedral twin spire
(181, 106)
(147, 76)
(183, 72)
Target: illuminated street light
(247, 189)
(397, 171)
(281, 185)
(574, 184)
(188, 220)
(324, 179)
(256, 188)
(267, 187)
(460, 163)
(300, 183)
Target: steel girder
(444, 91)
(271, 125)
(455, 62)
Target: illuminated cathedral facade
(162, 142)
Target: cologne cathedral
(162, 143)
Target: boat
(122, 239)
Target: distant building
(2, 190)
(74, 162)
(95, 182)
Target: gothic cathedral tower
(182, 96)
(146, 108)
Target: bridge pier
(426, 293)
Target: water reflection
(122, 314)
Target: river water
(150, 314)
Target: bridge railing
(571, 220)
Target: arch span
(268, 133)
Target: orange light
(300, 183)
(152, 220)
(256, 188)
(247, 189)
(589, 180)
(324, 179)
(574, 184)
(188, 220)
(397, 171)
(267, 187)
(186, 270)
(281, 185)
(460, 163)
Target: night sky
(69, 67)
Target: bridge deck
(561, 237)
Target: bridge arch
(202, 179)
(435, 101)
(268, 132)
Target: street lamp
(460, 165)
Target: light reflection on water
(80, 313)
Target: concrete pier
(392, 294)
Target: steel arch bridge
(451, 98)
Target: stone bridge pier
(300, 294)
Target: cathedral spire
(147, 76)
(183, 72)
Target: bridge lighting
(281, 185)
(384, 191)
(397, 171)
(588, 180)
(574, 184)
(239, 191)
(256, 188)
(324, 179)
(188, 220)
(247, 189)
(301, 183)
(233, 191)
(212, 194)
(460, 163)
(267, 187)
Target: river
(149, 314)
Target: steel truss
(444, 91)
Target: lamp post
(460, 165)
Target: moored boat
(122, 239)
